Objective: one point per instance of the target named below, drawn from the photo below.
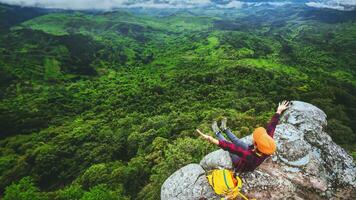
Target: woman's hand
(208, 138)
(282, 106)
(205, 137)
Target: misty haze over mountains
(344, 5)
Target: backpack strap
(243, 196)
(257, 153)
(227, 185)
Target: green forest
(104, 105)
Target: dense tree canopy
(104, 105)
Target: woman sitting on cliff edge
(244, 157)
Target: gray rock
(189, 182)
(218, 159)
(247, 140)
(307, 165)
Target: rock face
(189, 182)
(217, 159)
(307, 165)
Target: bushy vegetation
(104, 105)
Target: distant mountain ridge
(13, 15)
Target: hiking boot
(215, 127)
(223, 124)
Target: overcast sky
(111, 4)
(333, 4)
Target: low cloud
(276, 4)
(343, 5)
(232, 4)
(240, 4)
(162, 4)
(108, 4)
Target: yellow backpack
(225, 183)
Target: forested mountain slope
(107, 102)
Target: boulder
(189, 182)
(219, 159)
